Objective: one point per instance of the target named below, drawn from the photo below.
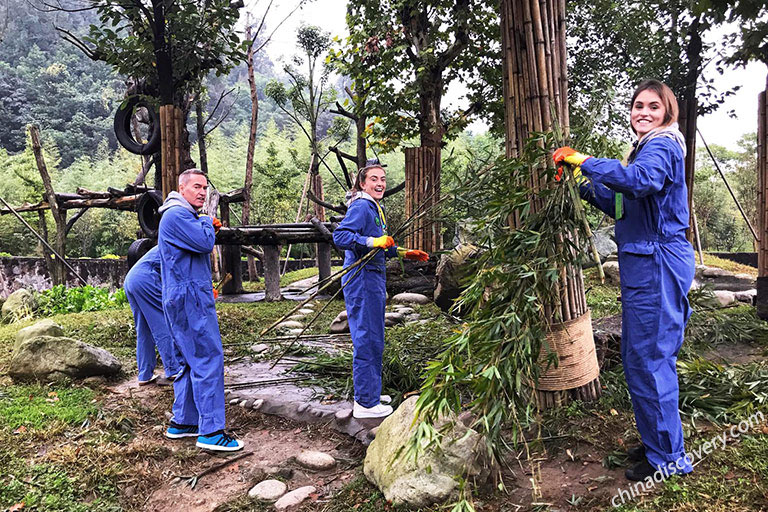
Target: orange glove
(412, 254)
(381, 242)
(569, 156)
(216, 224)
(215, 294)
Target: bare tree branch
(338, 209)
(75, 218)
(269, 38)
(80, 45)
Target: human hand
(576, 175)
(569, 156)
(216, 224)
(412, 254)
(382, 242)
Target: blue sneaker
(176, 431)
(220, 442)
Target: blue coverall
(656, 266)
(144, 291)
(186, 241)
(365, 296)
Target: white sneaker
(377, 411)
(385, 399)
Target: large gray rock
(725, 297)
(45, 327)
(604, 244)
(268, 490)
(340, 324)
(720, 279)
(50, 358)
(432, 478)
(393, 318)
(611, 269)
(451, 273)
(19, 305)
(411, 298)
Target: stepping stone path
(411, 298)
(268, 490)
(289, 324)
(317, 461)
(259, 348)
(294, 498)
(306, 311)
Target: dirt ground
(271, 443)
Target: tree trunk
(56, 267)
(689, 110)
(202, 150)
(317, 188)
(535, 89)
(253, 275)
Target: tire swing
(123, 130)
(138, 249)
(149, 217)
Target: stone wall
(17, 272)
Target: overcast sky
(718, 128)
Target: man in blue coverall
(144, 292)
(185, 241)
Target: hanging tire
(149, 217)
(138, 249)
(123, 130)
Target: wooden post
(535, 89)
(761, 300)
(272, 272)
(422, 186)
(171, 122)
(231, 258)
(55, 266)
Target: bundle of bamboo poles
(762, 199)
(536, 99)
(172, 122)
(422, 180)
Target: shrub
(61, 300)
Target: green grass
(37, 406)
(602, 299)
(731, 266)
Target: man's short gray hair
(184, 176)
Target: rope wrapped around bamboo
(573, 343)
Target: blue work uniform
(365, 295)
(144, 292)
(185, 241)
(656, 266)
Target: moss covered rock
(57, 358)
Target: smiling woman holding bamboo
(365, 228)
(649, 200)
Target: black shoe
(636, 453)
(640, 471)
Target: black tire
(138, 249)
(149, 217)
(123, 127)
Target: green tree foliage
(721, 226)
(615, 44)
(402, 54)
(141, 40)
(45, 81)
(751, 16)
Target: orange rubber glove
(412, 254)
(569, 156)
(381, 242)
(216, 224)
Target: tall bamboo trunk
(762, 202)
(536, 100)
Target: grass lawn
(71, 447)
(288, 278)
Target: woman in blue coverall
(144, 292)
(649, 200)
(363, 229)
